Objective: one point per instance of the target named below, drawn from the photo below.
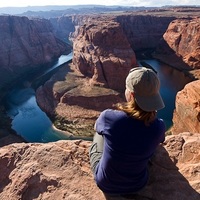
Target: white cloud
(156, 2)
(102, 2)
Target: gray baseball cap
(145, 85)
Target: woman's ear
(132, 96)
(129, 95)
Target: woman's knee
(99, 141)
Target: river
(172, 81)
(33, 124)
(28, 120)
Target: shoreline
(65, 135)
(69, 135)
(186, 71)
(61, 131)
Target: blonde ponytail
(133, 110)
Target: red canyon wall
(183, 36)
(144, 31)
(26, 44)
(103, 57)
(180, 47)
(103, 53)
(174, 33)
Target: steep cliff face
(26, 44)
(103, 53)
(61, 170)
(180, 46)
(144, 32)
(187, 112)
(183, 36)
(66, 27)
(63, 27)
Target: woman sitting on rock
(126, 138)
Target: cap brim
(150, 103)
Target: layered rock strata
(101, 61)
(103, 53)
(103, 56)
(60, 170)
(144, 31)
(181, 47)
(183, 36)
(176, 40)
(26, 45)
(63, 27)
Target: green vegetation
(74, 127)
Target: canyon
(155, 31)
(105, 48)
(26, 46)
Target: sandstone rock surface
(180, 47)
(183, 36)
(144, 31)
(187, 109)
(101, 61)
(103, 53)
(60, 170)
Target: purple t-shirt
(128, 145)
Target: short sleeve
(100, 123)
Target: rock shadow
(165, 181)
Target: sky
(24, 3)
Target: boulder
(186, 115)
